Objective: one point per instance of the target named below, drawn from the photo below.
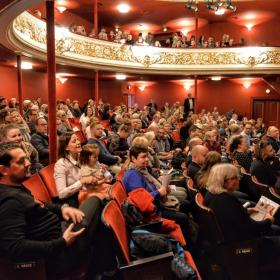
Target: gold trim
(31, 31)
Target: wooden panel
(272, 113)
(258, 109)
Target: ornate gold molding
(71, 47)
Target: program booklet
(264, 206)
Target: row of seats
(157, 267)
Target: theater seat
(118, 193)
(48, 178)
(237, 260)
(156, 267)
(37, 187)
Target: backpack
(145, 244)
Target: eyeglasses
(233, 178)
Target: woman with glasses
(233, 219)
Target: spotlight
(229, 6)
(267, 91)
(191, 5)
(210, 6)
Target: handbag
(170, 202)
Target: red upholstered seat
(118, 192)
(37, 187)
(48, 178)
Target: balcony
(28, 35)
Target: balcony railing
(29, 35)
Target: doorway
(268, 110)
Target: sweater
(27, 230)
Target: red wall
(224, 94)
(34, 84)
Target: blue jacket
(133, 180)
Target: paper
(264, 206)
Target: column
(19, 80)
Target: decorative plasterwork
(79, 50)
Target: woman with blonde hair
(201, 178)
(18, 120)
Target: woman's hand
(88, 180)
(162, 191)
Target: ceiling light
(220, 12)
(123, 8)
(164, 29)
(26, 65)
(249, 26)
(142, 88)
(191, 5)
(247, 85)
(187, 86)
(268, 90)
(61, 9)
(229, 6)
(121, 77)
(216, 78)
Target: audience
(144, 144)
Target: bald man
(273, 138)
(199, 153)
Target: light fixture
(187, 86)
(247, 85)
(61, 78)
(25, 65)
(267, 91)
(249, 26)
(120, 77)
(216, 78)
(210, 6)
(164, 29)
(228, 5)
(123, 8)
(191, 5)
(220, 11)
(142, 88)
(61, 9)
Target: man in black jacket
(40, 140)
(273, 138)
(31, 230)
(104, 156)
(188, 105)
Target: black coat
(41, 144)
(187, 105)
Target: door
(268, 110)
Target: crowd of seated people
(143, 144)
(177, 40)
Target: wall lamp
(191, 5)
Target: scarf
(146, 174)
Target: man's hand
(74, 214)
(119, 159)
(69, 236)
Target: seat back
(258, 189)
(113, 218)
(191, 190)
(118, 193)
(37, 187)
(48, 178)
(209, 228)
